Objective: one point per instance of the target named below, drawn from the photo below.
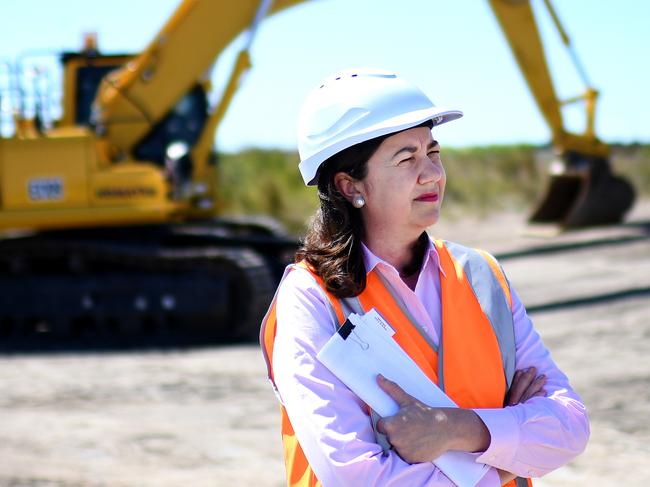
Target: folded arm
(545, 432)
(543, 426)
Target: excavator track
(141, 286)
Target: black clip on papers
(345, 329)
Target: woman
(365, 140)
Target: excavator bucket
(586, 194)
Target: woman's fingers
(381, 426)
(525, 384)
(401, 397)
(536, 388)
(520, 382)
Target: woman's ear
(346, 185)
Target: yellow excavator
(109, 217)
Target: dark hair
(332, 246)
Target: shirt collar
(431, 257)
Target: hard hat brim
(309, 167)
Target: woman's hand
(417, 432)
(420, 433)
(525, 384)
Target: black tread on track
(143, 286)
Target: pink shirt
(330, 421)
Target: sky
(453, 50)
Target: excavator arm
(584, 191)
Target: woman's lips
(430, 197)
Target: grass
(266, 182)
(633, 162)
(479, 178)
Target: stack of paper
(362, 348)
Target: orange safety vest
(474, 364)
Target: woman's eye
(407, 160)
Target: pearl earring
(358, 201)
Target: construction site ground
(207, 417)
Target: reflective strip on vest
(351, 305)
(492, 298)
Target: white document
(363, 349)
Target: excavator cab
(583, 191)
(83, 72)
(180, 128)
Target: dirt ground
(207, 417)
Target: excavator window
(88, 80)
(183, 123)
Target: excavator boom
(133, 99)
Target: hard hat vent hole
(338, 78)
(354, 75)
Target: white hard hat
(356, 105)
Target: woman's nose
(431, 171)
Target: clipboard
(362, 348)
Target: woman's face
(404, 185)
